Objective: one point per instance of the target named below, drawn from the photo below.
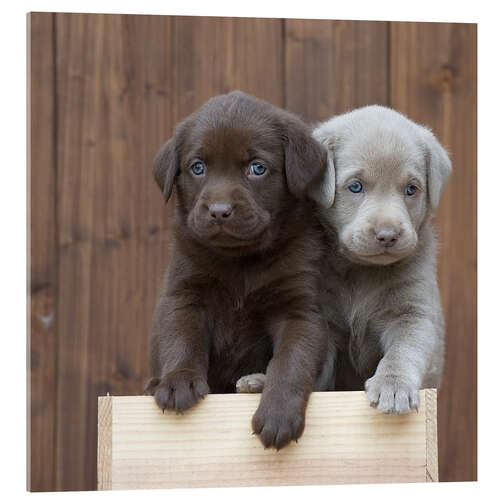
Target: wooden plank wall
(42, 256)
(106, 91)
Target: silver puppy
(386, 174)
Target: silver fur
(385, 301)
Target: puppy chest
(238, 331)
(351, 310)
(236, 326)
(239, 345)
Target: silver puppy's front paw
(391, 394)
(251, 383)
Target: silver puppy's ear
(322, 191)
(438, 167)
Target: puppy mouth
(382, 257)
(225, 237)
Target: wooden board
(42, 254)
(345, 441)
(433, 68)
(215, 55)
(334, 66)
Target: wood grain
(431, 435)
(433, 75)
(345, 441)
(104, 442)
(217, 55)
(42, 254)
(114, 99)
(335, 66)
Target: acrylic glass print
(106, 93)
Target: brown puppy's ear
(305, 158)
(322, 190)
(438, 167)
(166, 166)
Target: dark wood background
(105, 92)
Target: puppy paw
(391, 394)
(178, 390)
(251, 383)
(277, 422)
(149, 388)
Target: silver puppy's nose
(387, 237)
(220, 211)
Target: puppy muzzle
(230, 220)
(379, 245)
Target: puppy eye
(355, 187)
(198, 168)
(411, 189)
(256, 168)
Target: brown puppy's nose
(387, 237)
(220, 212)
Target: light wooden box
(211, 445)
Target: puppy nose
(220, 211)
(387, 237)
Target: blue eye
(198, 168)
(257, 168)
(411, 189)
(355, 187)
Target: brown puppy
(241, 294)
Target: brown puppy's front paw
(251, 383)
(178, 390)
(278, 422)
(150, 386)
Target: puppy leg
(179, 357)
(407, 351)
(299, 346)
(326, 379)
(251, 383)
(324, 382)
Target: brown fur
(241, 296)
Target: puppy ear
(166, 167)
(305, 158)
(322, 190)
(166, 164)
(438, 167)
